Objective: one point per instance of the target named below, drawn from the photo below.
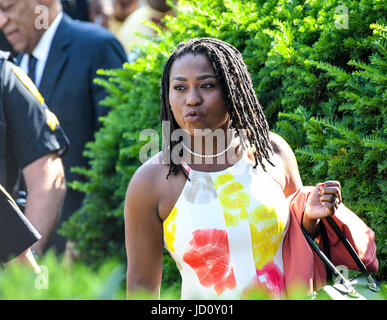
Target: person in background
(133, 29)
(96, 11)
(62, 60)
(32, 143)
(122, 10)
(110, 14)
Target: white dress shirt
(41, 50)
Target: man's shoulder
(92, 39)
(88, 31)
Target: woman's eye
(178, 88)
(208, 86)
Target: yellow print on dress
(169, 227)
(266, 234)
(233, 199)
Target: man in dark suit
(62, 56)
(97, 11)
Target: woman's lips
(193, 116)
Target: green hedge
(322, 88)
(77, 281)
(60, 281)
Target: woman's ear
(230, 124)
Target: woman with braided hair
(216, 196)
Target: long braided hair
(237, 88)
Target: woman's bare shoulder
(149, 174)
(150, 190)
(279, 145)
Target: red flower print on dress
(271, 277)
(210, 258)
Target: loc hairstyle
(237, 88)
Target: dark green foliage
(347, 141)
(99, 227)
(322, 88)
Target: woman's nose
(194, 98)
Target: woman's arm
(321, 202)
(143, 233)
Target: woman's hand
(323, 202)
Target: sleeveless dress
(226, 232)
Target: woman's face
(195, 95)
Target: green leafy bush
(347, 140)
(77, 281)
(70, 281)
(322, 88)
(60, 282)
